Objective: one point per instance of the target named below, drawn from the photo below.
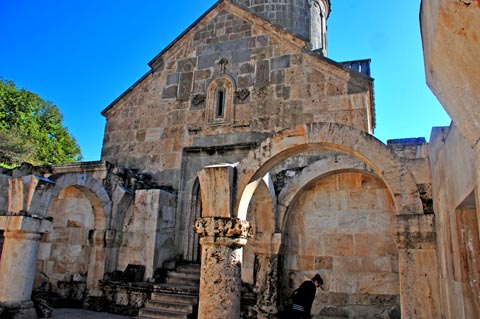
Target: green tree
(31, 130)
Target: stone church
(242, 164)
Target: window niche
(220, 96)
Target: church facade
(247, 151)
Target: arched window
(219, 100)
(220, 103)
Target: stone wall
(450, 34)
(291, 15)
(66, 250)
(149, 231)
(342, 229)
(454, 192)
(275, 85)
(414, 154)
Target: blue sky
(81, 55)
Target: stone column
(220, 281)
(222, 238)
(17, 266)
(266, 250)
(418, 266)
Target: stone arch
(329, 136)
(100, 235)
(318, 170)
(92, 188)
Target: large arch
(101, 207)
(329, 136)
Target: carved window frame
(220, 88)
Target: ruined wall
(272, 84)
(342, 229)
(455, 202)
(413, 152)
(66, 250)
(148, 231)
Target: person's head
(317, 280)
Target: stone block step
(185, 275)
(162, 314)
(176, 289)
(183, 281)
(169, 297)
(190, 268)
(169, 306)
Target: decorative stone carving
(198, 99)
(223, 64)
(220, 281)
(242, 94)
(222, 227)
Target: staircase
(177, 297)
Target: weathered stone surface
(320, 194)
(220, 280)
(450, 61)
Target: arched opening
(341, 227)
(64, 256)
(196, 212)
(360, 170)
(81, 211)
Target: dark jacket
(304, 296)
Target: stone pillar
(17, 266)
(222, 238)
(266, 250)
(418, 266)
(220, 282)
(23, 227)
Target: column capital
(222, 227)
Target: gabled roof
(292, 37)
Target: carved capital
(222, 227)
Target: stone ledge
(25, 224)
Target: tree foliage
(31, 130)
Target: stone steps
(177, 306)
(177, 297)
(162, 314)
(183, 278)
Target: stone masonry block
(282, 62)
(169, 92)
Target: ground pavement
(64, 313)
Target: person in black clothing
(303, 297)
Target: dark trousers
(293, 314)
